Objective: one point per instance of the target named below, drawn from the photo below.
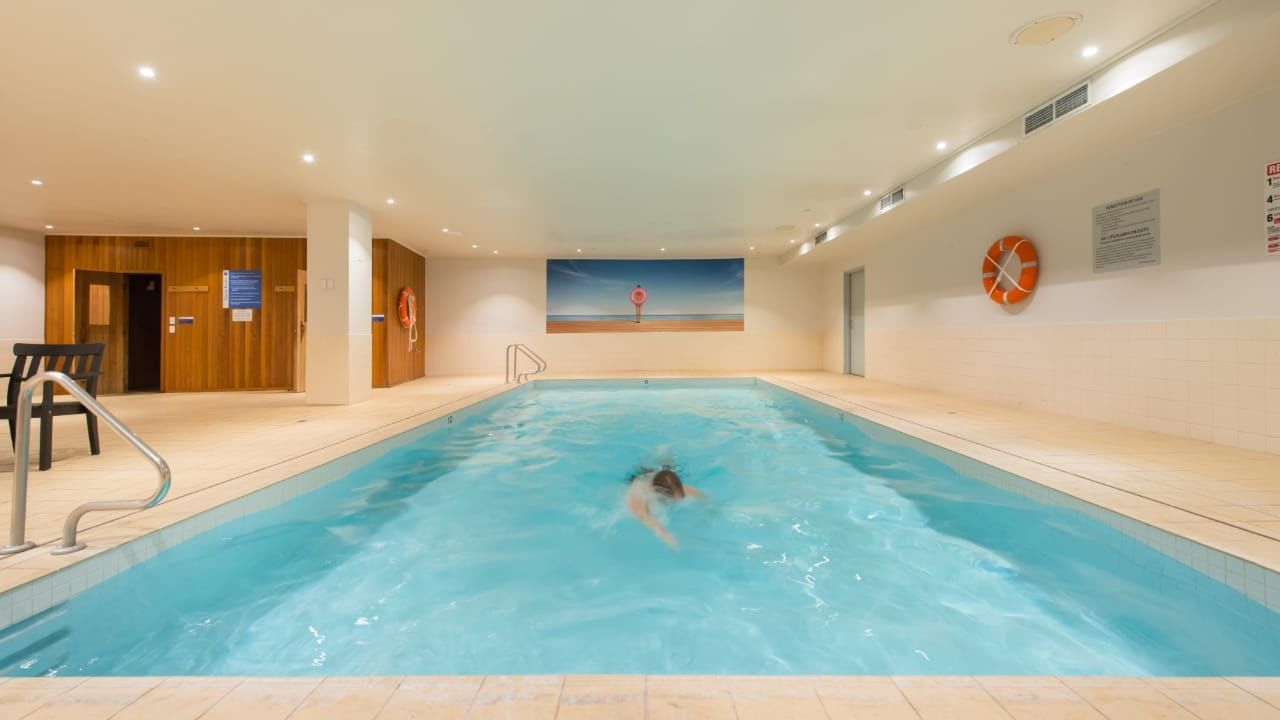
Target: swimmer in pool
(664, 485)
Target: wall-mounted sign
(1126, 233)
(186, 320)
(1273, 209)
(188, 288)
(242, 315)
(379, 318)
(241, 289)
(286, 288)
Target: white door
(855, 326)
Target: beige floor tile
(178, 699)
(93, 699)
(1265, 688)
(763, 698)
(856, 698)
(605, 696)
(1219, 702)
(1131, 702)
(955, 702)
(262, 699)
(346, 699)
(1029, 702)
(20, 696)
(500, 698)
(442, 698)
(689, 698)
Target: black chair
(82, 363)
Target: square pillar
(339, 303)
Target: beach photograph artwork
(587, 296)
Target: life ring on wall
(993, 270)
(408, 307)
(638, 296)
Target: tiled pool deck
(222, 446)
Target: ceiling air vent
(1071, 102)
(892, 199)
(1037, 119)
(1056, 110)
(821, 237)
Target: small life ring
(638, 296)
(993, 271)
(408, 307)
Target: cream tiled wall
(1212, 380)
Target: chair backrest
(82, 363)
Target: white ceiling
(535, 128)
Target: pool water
(500, 544)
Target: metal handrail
(22, 461)
(514, 350)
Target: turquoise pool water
(499, 544)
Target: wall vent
(892, 199)
(1064, 105)
(821, 237)
(1037, 119)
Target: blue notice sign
(241, 289)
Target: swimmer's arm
(640, 509)
(694, 492)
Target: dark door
(145, 325)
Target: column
(339, 303)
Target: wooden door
(101, 314)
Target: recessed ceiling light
(37, 182)
(196, 228)
(753, 247)
(48, 227)
(473, 247)
(579, 249)
(942, 145)
(391, 201)
(866, 193)
(308, 158)
(792, 241)
(495, 252)
(1089, 51)
(147, 72)
(444, 230)
(817, 224)
(662, 249)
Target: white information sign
(1273, 209)
(1126, 233)
(242, 315)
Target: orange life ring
(993, 270)
(408, 306)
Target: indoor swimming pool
(500, 543)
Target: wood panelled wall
(395, 359)
(213, 353)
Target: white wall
(474, 308)
(21, 291)
(1191, 347)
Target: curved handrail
(22, 462)
(514, 350)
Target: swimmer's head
(665, 481)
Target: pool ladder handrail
(22, 462)
(514, 351)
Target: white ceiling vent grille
(892, 199)
(1049, 114)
